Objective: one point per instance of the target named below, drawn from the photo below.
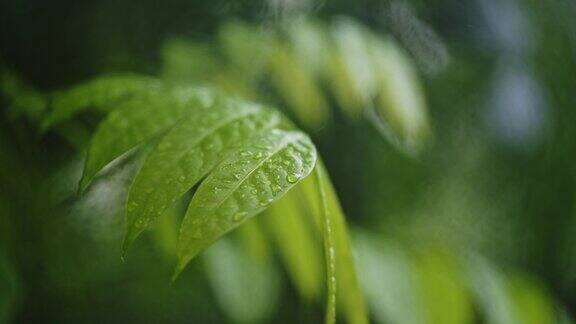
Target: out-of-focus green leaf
(184, 155)
(247, 290)
(294, 237)
(492, 292)
(136, 121)
(442, 288)
(244, 46)
(353, 67)
(389, 280)
(532, 303)
(100, 93)
(254, 239)
(296, 86)
(186, 61)
(22, 99)
(400, 106)
(245, 184)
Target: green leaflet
(136, 121)
(99, 93)
(186, 154)
(294, 237)
(330, 255)
(245, 184)
(247, 290)
(349, 292)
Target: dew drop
(292, 178)
(239, 216)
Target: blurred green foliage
(476, 227)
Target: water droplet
(292, 178)
(276, 189)
(217, 190)
(239, 216)
(258, 155)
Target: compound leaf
(245, 184)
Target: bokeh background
(453, 156)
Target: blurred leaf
(492, 292)
(253, 237)
(185, 61)
(294, 237)
(247, 290)
(100, 93)
(442, 288)
(245, 184)
(296, 86)
(389, 280)
(401, 102)
(356, 72)
(532, 303)
(22, 99)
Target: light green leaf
(330, 255)
(100, 93)
(184, 155)
(349, 293)
(400, 109)
(492, 291)
(389, 279)
(253, 237)
(297, 86)
(138, 120)
(443, 288)
(247, 290)
(294, 237)
(245, 184)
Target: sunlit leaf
(245, 184)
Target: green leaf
(294, 237)
(389, 279)
(186, 154)
(247, 290)
(136, 121)
(100, 93)
(329, 253)
(349, 292)
(245, 184)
